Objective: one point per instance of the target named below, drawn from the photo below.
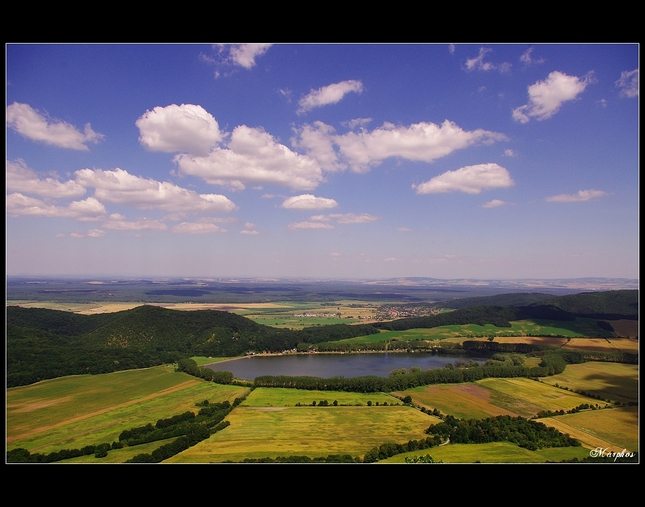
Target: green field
(615, 428)
(72, 412)
(257, 432)
(613, 381)
(493, 452)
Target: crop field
(615, 429)
(492, 397)
(493, 452)
(282, 397)
(527, 397)
(613, 381)
(257, 432)
(603, 344)
(71, 412)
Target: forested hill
(45, 343)
(622, 304)
(513, 299)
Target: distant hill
(44, 343)
(513, 299)
(622, 304)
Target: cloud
(478, 63)
(628, 83)
(120, 187)
(95, 233)
(356, 122)
(424, 142)
(495, 203)
(200, 227)
(546, 97)
(38, 127)
(510, 153)
(451, 49)
(581, 196)
(346, 218)
(118, 222)
(404, 229)
(186, 128)
(247, 231)
(527, 59)
(330, 94)
(87, 210)
(308, 201)
(92, 233)
(253, 157)
(244, 55)
(470, 179)
(309, 225)
(21, 178)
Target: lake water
(332, 365)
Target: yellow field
(257, 432)
(602, 344)
(614, 429)
(464, 401)
(527, 397)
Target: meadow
(257, 432)
(75, 411)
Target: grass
(282, 397)
(615, 429)
(612, 381)
(71, 412)
(257, 432)
(527, 397)
(493, 452)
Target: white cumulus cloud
(120, 187)
(423, 141)
(244, 55)
(186, 128)
(581, 196)
(495, 203)
(21, 178)
(87, 210)
(308, 201)
(546, 97)
(628, 83)
(39, 127)
(199, 227)
(470, 179)
(330, 94)
(253, 157)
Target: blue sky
(325, 161)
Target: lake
(333, 365)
